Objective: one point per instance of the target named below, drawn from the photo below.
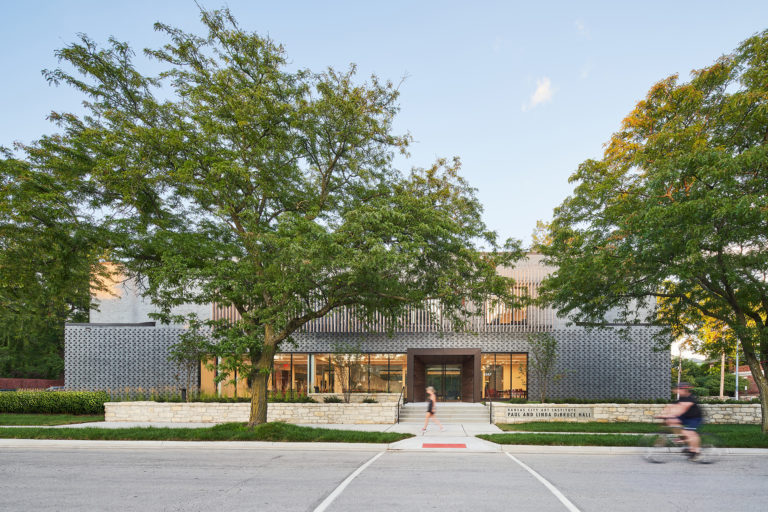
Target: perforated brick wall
(116, 357)
(598, 364)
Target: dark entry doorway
(446, 379)
(453, 372)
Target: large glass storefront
(335, 373)
(505, 375)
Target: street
(92, 477)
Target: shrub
(370, 401)
(518, 400)
(53, 402)
(332, 399)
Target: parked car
(55, 388)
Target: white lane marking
(565, 501)
(338, 490)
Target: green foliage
(704, 378)
(542, 359)
(518, 400)
(370, 401)
(192, 349)
(676, 210)
(268, 189)
(275, 432)
(49, 249)
(53, 402)
(333, 399)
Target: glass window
(323, 374)
(488, 367)
(281, 376)
(379, 373)
(300, 368)
(396, 374)
(519, 373)
(504, 375)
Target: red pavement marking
(443, 445)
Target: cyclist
(685, 415)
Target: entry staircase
(447, 412)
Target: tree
(542, 359)
(192, 349)
(49, 250)
(347, 365)
(271, 191)
(677, 209)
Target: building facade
(338, 353)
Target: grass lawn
(47, 419)
(612, 434)
(593, 426)
(225, 432)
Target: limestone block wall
(713, 413)
(200, 412)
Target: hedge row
(53, 402)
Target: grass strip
(7, 419)
(592, 426)
(726, 436)
(276, 432)
(565, 439)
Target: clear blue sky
(522, 93)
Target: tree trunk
(258, 399)
(261, 371)
(762, 385)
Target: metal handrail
(398, 404)
(490, 413)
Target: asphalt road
(209, 479)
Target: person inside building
(685, 414)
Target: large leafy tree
(270, 190)
(677, 209)
(49, 249)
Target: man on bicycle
(685, 414)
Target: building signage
(543, 413)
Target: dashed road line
(338, 490)
(565, 501)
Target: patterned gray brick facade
(601, 363)
(116, 357)
(595, 364)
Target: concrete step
(413, 413)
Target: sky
(522, 92)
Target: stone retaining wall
(199, 412)
(713, 413)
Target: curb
(207, 445)
(360, 447)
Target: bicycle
(669, 443)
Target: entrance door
(446, 379)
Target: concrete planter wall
(713, 413)
(198, 412)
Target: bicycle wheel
(656, 448)
(711, 450)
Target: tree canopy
(49, 249)
(270, 190)
(677, 209)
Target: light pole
(736, 387)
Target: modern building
(123, 348)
